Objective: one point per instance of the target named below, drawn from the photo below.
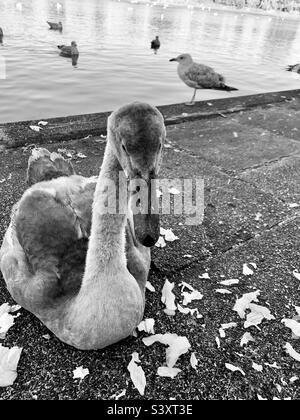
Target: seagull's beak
(173, 59)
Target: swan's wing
(50, 226)
(13, 263)
(43, 166)
(52, 215)
(82, 203)
(8, 263)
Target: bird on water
(55, 26)
(155, 44)
(70, 51)
(294, 67)
(199, 76)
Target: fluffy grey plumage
(43, 166)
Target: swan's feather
(44, 166)
(52, 225)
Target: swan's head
(137, 134)
(184, 59)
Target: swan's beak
(173, 59)
(146, 229)
(146, 216)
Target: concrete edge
(18, 134)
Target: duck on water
(69, 51)
(55, 26)
(294, 67)
(155, 44)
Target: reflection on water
(116, 63)
(75, 60)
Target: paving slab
(282, 119)
(276, 255)
(230, 144)
(281, 179)
(235, 211)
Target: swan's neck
(109, 304)
(107, 240)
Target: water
(116, 64)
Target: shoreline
(213, 7)
(19, 134)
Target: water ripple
(116, 64)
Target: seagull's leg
(193, 99)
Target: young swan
(106, 303)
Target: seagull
(55, 26)
(294, 67)
(155, 44)
(199, 76)
(1, 35)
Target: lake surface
(116, 64)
